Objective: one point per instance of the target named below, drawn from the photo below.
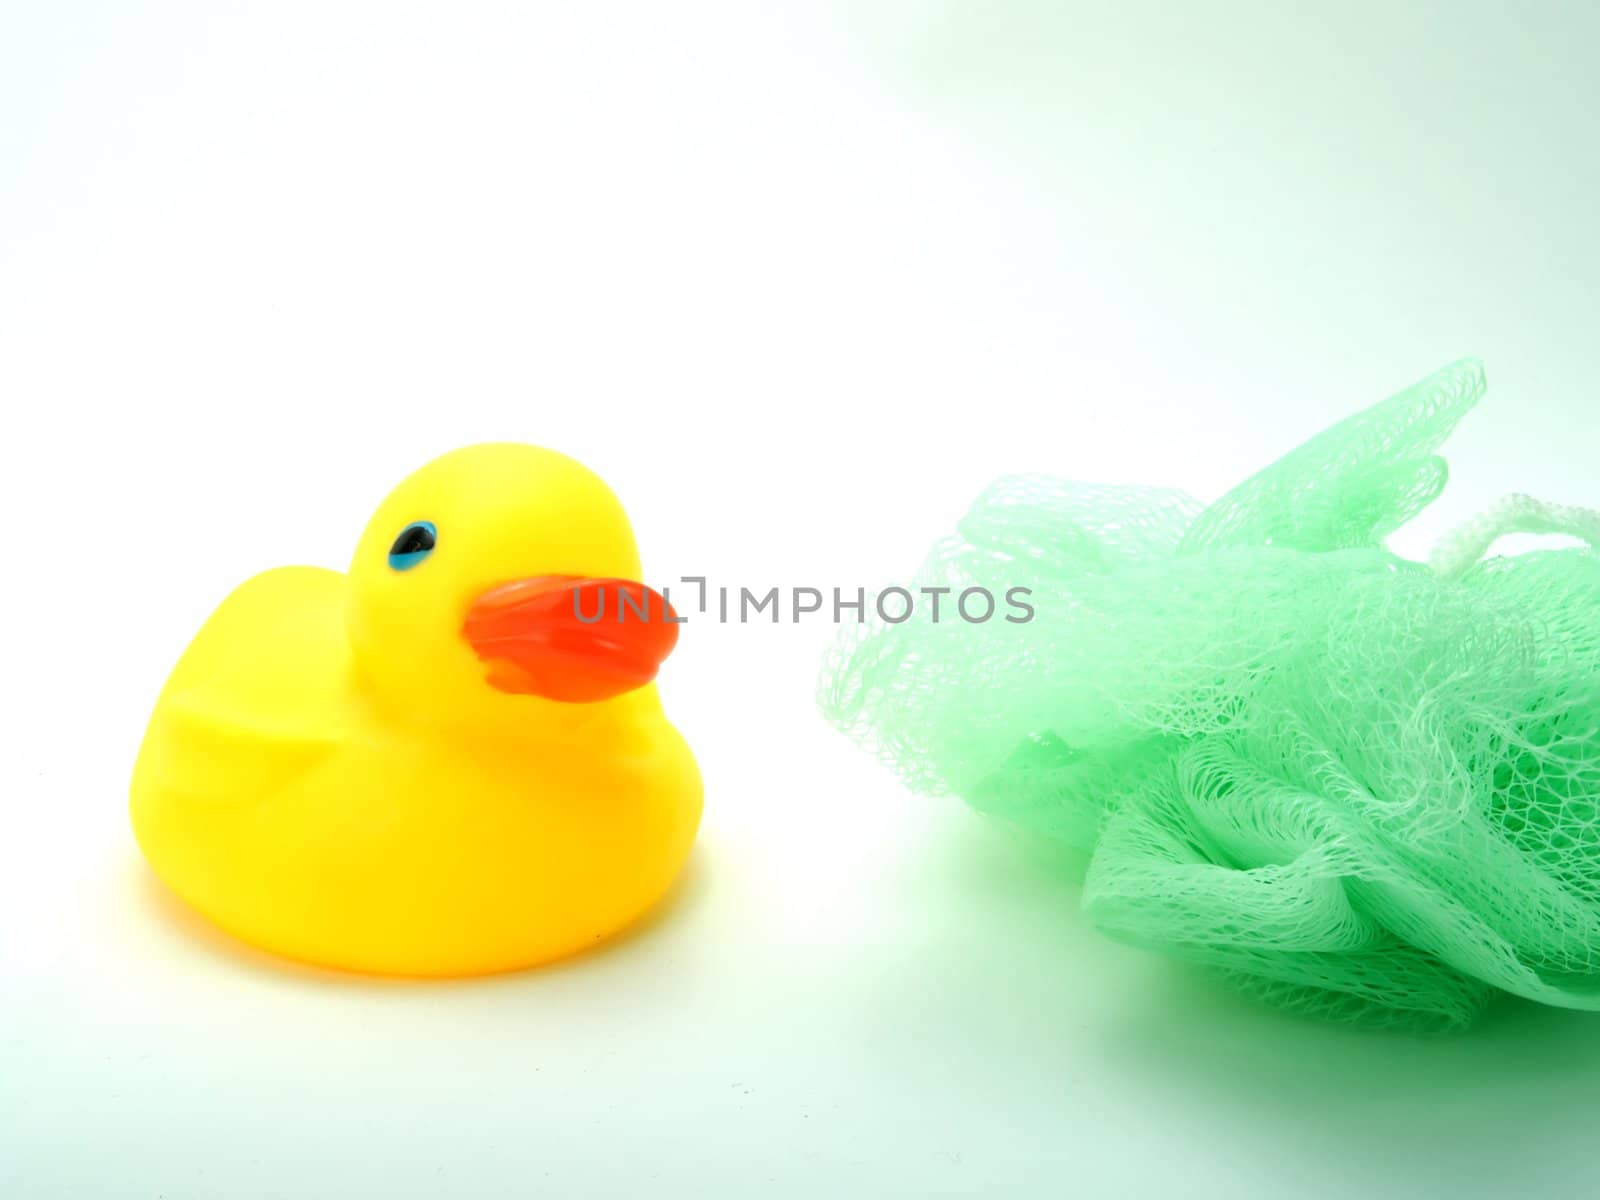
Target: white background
(798, 283)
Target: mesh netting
(1361, 786)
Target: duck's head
(475, 585)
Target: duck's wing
(1353, 484)
(206, 747)
(261, 695)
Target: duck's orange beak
(570, 638)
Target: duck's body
(311, 806)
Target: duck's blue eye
(415, 543)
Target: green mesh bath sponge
(1363, 787)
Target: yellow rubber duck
(450, 761)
